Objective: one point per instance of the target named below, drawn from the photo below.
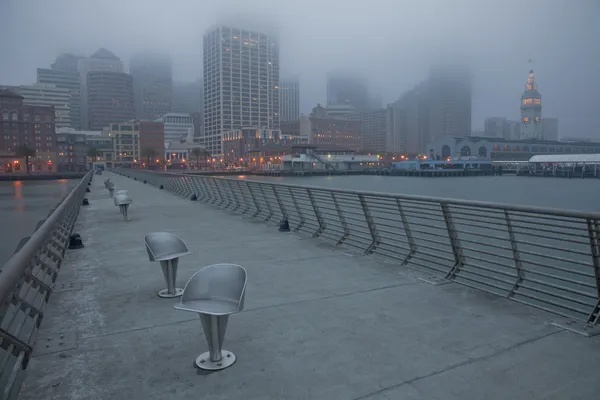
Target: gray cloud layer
(393, 41)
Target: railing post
(298, 210)
(454, 242)
(376, 240)
(409, 236)
(284, 213)
(219, 196)
(256, 204)
(223, 191)
(594, 234)
(342, 219)
(262, 191)
(320, 219)
(516, 253)
(237, 203)
(244, 199)
(210, 195)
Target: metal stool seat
(122, 200)
(111, 188)
(166, 248)
(212, 307)
(215, 292)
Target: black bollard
(87, 190)
(145, 181)
(135, 179)
(284, 226)
(85, 202)
(161, 187)
(75, 241)
(193, 197)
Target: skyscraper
(409, 122)
(187, 97)
(449, 101)
(102, 60)
(152, 84)
(439, 106)
(109, 98)
(347, 89)
(67, 62)
(241, 83)
(50, 96)
(289, 100)
(65, 79)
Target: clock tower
(531, 110)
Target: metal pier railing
(541, 257)
(26, 282)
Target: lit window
(537, 101)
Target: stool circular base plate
(227, 360)
(165, 293)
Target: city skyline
(498, 58)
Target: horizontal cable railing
(546, 258)
(26, 282)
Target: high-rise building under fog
(241, 83)
(102, 60)
(187, 97)
(152, 84)
(439, 106)
(109, 98)
(289, 100)
(345, 88)
(67, 62)
(69, 80)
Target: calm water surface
(574, 194)
(22, 205)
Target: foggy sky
(394, 42)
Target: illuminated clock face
(537, 119)
(526, 119)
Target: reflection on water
(18, 187)
(22, 205)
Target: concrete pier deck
(319, 322)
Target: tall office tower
(109, 98)
(289, 100)
(241, 83)
(102, 60)
(409, 122)
(65, 79)
(347, 89)
(49, 96)
(152, 84)
(449, 101)
(67, 62)
(187, 97)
